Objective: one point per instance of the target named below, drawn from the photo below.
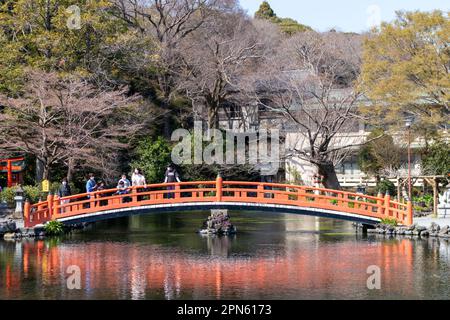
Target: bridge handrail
(217, 191)
(285, 185)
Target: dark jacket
(171, 176)
(64, 190)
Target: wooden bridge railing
(218, 191)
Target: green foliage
(265, 11)
(436, 159)
(426, 199)
(379, 154)
(152, 158)
(386, 185)
(287, 25)
(7, 195)
(32, 193)
(54, 228)
(405, 67)
(389, 221)
(35, 34)
(295, 174)
(367, 161)
(290, 26)
(206, 172)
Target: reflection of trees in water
(435, 258)
(219, 245)
(298, 264)
(136, 271)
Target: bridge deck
(189, 195)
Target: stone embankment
(10, 231)
(434, 230)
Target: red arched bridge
(219, 194)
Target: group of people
(137, 180)
(123, 185)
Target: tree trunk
(213, 118)
(45, 173)
(70, 169)
(39, 170)
(328, 172)
(167, 129)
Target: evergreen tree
(287, 25)
(265, 12)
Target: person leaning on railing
(64, 191)
(123, 189)
(101, 187)
(171, 176)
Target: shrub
(54, 228)
(436, 160)
(153, 157)
(386, 185)
(32, 193)
(427, 199)
(7, 195)
(389, 221)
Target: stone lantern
(19, 198)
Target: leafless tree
(168, 23)
(221, 59)
(67, 121)
(311, 83)
(218, 60)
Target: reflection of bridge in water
(204, 195)
(147, 271)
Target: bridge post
(219, 184)
(55, 206)
(387, 204)
(410, 214)
(177, 191)
(26, 212)
(301, 196)
(49, 205)
(134, 195)
(380, 204)
(260, 190)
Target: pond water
(273, 256)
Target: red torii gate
(12, 169)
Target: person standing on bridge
(64, 191)
(171, 176)
(101, 187)
(138, 179)
(91, 186)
